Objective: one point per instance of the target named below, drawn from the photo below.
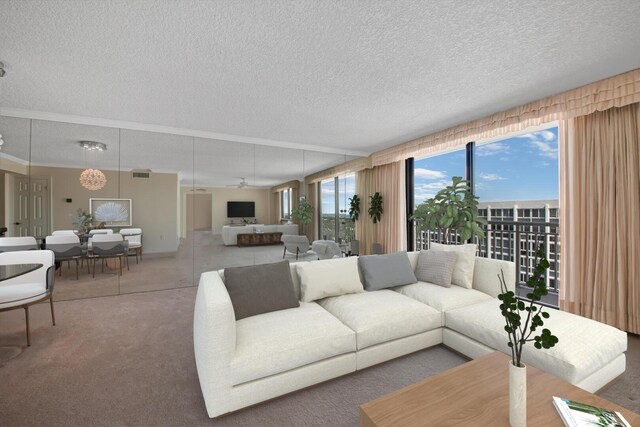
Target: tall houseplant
(303, 213)
(522, 321)
(452, 209)
(354, 207)
(375, 213)
(375, 207)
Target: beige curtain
(600, 183)
(312, 197)
(616, 91)
(364, 226)
(391, 231)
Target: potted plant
(354, 207)
(452, 209)
(522, 320)
(82, 220)
(303, 213)
(375, 212)
(375, 207)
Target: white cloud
(545, 149)
(428, 173)
(547, 135)
(491, 177)
(492, 149)
(423, 192)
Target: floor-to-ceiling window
(516, 180)
(285, 204)
(334, 195)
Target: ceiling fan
(243, 184)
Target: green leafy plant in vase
(82, 219)
(354, 207)
(522, 320)
(303, 213)
(375, 207)
(452, 209)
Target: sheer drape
(601, 217)
(391, 231)
(364, 226)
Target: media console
(230, 232)
(258, 239)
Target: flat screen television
(241, 209)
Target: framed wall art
(113, 212)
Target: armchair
(108, 246)
(30, 288)
(134, 237)
(26, 243)
(66, 247)
(295, 244)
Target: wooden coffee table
(476, 393)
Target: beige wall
(153, 202)
(219, 199)
(4, 203)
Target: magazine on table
(576, 414)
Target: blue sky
(524, 167)
(347, 187)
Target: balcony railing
(515, 241)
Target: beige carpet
(128, 360)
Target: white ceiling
(333, 76)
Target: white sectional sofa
(246, 361)
(230, 232)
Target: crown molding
(119, 124)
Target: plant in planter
(522, 320)
(303, 213)
(452, 209)
(375, 212)
(82, 220)
(354, 207)
(375, 207)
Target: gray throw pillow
(385, 271)
(259, 289)
(436, 267)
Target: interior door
(199, 212)
(20, 222)
(31, 208)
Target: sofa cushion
(326, 278)
(463, 271)
(584, 344)
(279, 341)
(442, 299)
(385, 271)
(258, 289)
(382, 316)
(436, 267)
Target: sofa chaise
(341, 326)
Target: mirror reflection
(180, 205)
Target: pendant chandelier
(93, 179)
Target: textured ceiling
(344, 77)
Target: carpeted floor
(128, 360)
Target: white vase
(517, 395)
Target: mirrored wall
(173, 187)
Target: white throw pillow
(328, 278)
(463, 271)
(436, 267)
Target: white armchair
(295, 244)
(30, 288)
(134, 237)
(26, 243)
